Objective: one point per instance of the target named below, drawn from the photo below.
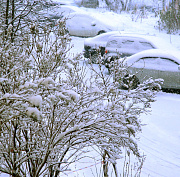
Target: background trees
(53, 106)
(170, 17)
(166, 10)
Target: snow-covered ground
(160, 138)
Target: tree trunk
(7, 15)
(12, 23)
(105, 165)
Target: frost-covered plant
(16, 15)
(121, 110)
(52, 106)
(29, 68)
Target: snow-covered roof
(100, 38)
(172, 54)
(157, 42)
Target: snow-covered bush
(52, 106)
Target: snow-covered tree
(52, 106)
(16, 15)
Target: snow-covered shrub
(53, 106)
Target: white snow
(46, 81)
(3, 79)
(33, 112)
(36, 100)
(72, 94)
(28, 85)
(7, 95)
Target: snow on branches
(53, 106)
